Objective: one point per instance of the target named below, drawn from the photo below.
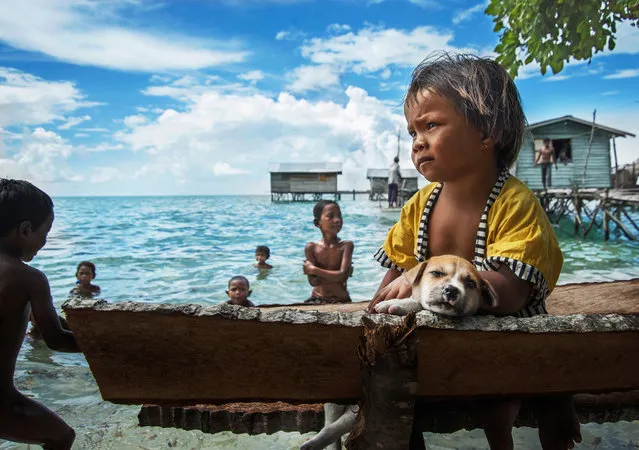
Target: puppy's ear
(488, 294)
(415, 274)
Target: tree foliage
(550, 32)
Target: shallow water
(184, 250)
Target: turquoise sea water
(184, 250)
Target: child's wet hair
(318, 209)
(241, 278)
(21, 201)
(88, 264)
(264, 250)
(480, 90)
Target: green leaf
(556, 66)
(611, 43)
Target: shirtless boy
(26, 216)
(328, 262)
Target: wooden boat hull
(189, 354)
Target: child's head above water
(85, 273)
(26, 216)
(480, 91)
(264, 251)
(239, 289)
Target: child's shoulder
(516, 191)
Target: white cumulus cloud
(86, 32)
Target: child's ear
(487, 143)
(24, 228)
(227, 293)
(249, 294)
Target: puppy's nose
(451, 293)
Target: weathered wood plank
(188, 354)
(439, 417)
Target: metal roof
(582, 122)
(320, 167)
(383, 173)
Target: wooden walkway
(589, 208)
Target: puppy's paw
(397, 310)
(382, 307)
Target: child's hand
(397, 289)
(308, 268)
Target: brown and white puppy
(451, 286)
(446, 285)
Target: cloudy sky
(141, 97)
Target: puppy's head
(451, 286)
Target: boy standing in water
(328, 262)
(465, 117)
(26, 216)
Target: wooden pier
(605, 209)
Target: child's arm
(512, 292)
(313, 280)
(335, 276)
(49, 323)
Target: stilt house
(570, 137)
(304, 181)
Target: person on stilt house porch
(394, 178)
(546, 158)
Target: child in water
(328, 262)
(26, 217)
(467, 124)
(262, 253)
(239, 291)
(85, 273)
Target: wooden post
(577, 203)
(592, 132)
(606, 216)
(614, 150)
(388, 354)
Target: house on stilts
(570, 137)
(298, 182)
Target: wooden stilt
(577, 213)
(388, 354)
(634, 224)
(622, 227)
(593, 221)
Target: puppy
(451, 286)
(446, 285)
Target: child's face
(445, 147)
(238, 290)
(34, 240)
(261, 257)
(331, 219)
(84, 275)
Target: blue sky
(141, 97)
